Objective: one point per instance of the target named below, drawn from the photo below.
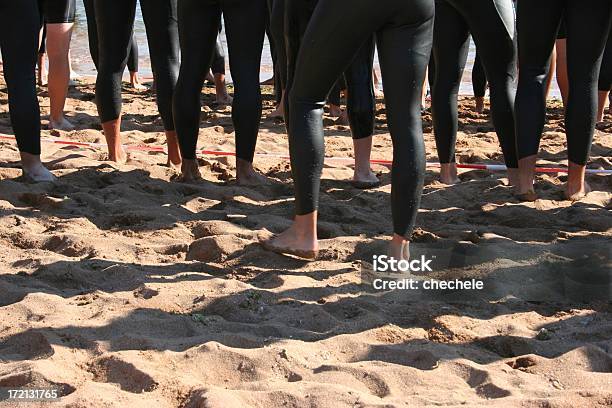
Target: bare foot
(251, 178)
(528, 196)
(174, 152)
(399, 248)
(190, 172)
(246, 175)
(62, 124)
(120, 156)
(137, 86)
(38, 174)
(574, 194)
(448, 174)
(365, 180)
(294, 242)
(513, 177)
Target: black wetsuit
(587, 24)
(491, 23)
(115, 19)
(358, 74)
(57, 11)
(479, 77)
(605, 74)
(277, 30)
(337, 30)
(19, 29)
(92, 33)
(245, 24)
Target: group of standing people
(319, 44)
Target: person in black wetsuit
(19, 28)
(115, 20)
(245, 25)
(587, 32)
(491, 23)
(58, 16)
(479, 83)
(92, 33)
(277, 31)
(359, 85)
(337, 30)
(605, 79)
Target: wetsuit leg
(160, 18)
(587, 31)
(19, 30)
(92, 30)
(450, 48)
(587, 34)
(132, 63)
(491, 23)
(92, 33)
(277, 28)
(199, 23)
(245, 29)
(605, 74)
(479, 78)
(358, 75)
(360, 102)
(403, 30)
(114, 20)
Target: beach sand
(123, 288)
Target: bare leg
(562, 78)
(480, 104)
(58, 45)
(363, 176)
(526, 191)
(174, 153)
(42, 79)
(603, 99)
(576, 186)
(279, 112)
(112, 133)
(448, 173)
(223, 97)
